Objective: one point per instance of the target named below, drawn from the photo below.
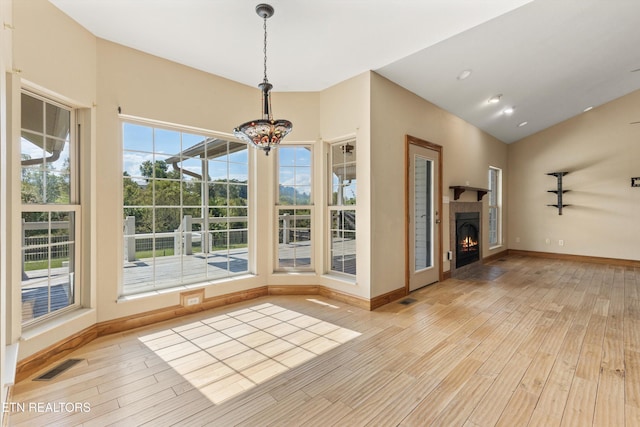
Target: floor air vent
(49, 375)
(408, 301)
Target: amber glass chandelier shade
(263, 133)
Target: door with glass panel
(423, 216)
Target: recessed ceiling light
(589, 108)
(522, 124)
(508, 111)
(495, 99)
(464, 74)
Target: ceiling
(549, 59)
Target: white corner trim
(11, 362)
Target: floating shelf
(459, 189)
(559, 191)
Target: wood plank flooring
(525, 342)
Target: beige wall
(345, 112)
(601, 151)
(467, 155)
(54, 52)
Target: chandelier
(266, 132)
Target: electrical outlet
(547, 241)
(192, 298)
(193, 301)
(560, 242)
(517, 240)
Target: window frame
(495, 205)
(333, 208)
(74, 206)
(153, 286)
(294, 207)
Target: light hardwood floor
(520, 341)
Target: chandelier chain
(265, 132)
(265, 49)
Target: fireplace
(467, 241)
(465, 235)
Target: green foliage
(291, 196)
(41, 185)
(164, 188)
(44, 264)
(157, 169)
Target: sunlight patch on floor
(228, 354)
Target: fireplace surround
(465, 235)
(467, 238)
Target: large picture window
(185, 208)
(342, 208)
(50, 208)
(495, 191)
(294, 208)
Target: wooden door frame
(412, 140)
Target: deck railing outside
(183, 240)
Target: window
(185, 208)
(294, 208)
(50, 208)
(342, 208)
(495, 197)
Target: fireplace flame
(468, 244)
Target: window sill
(48, 326)
(181, 288)
(294, 273)
(492, 248)
(348, 280)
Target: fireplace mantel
(459, 189)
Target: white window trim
(278, 207)
(330, 208)
(498, 207)
(74, 206)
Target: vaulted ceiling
(548, 60)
